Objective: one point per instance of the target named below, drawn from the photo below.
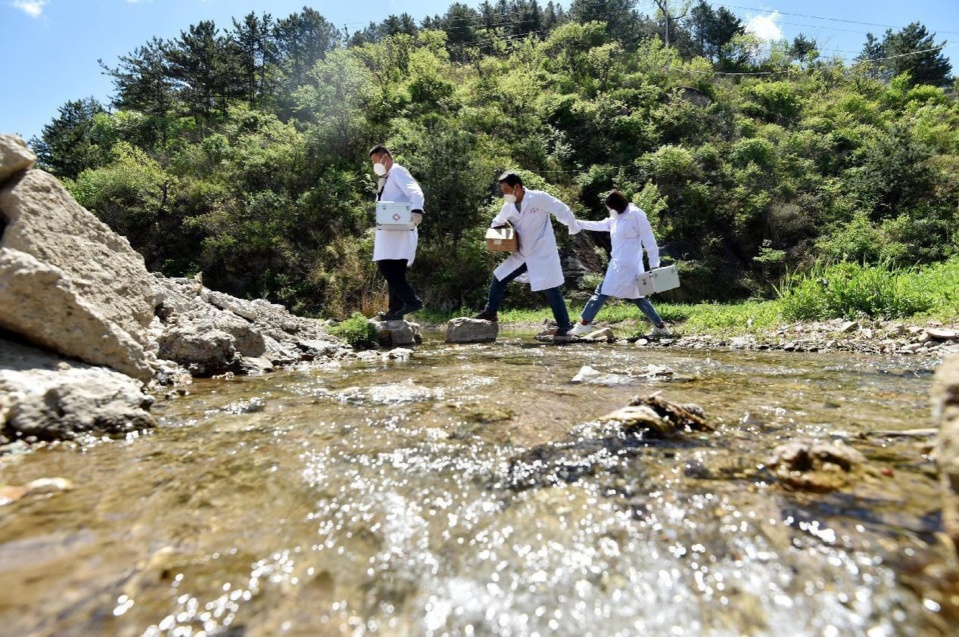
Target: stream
(381, 498)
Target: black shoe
(486, 315)
(409, 308)
(390, 316)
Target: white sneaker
(579, 329)
(660, 331)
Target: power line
(816, 17)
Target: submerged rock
(811, 465)
(605, 443)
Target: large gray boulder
(468, 330)
(44, 221)
(945, 401)
(68, 283)
(42, 397)
(15, 156)
(40, 302)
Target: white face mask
(510, 198)
(612, 212)
(379, 169)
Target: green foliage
(243, 152)
(849, 290)
(357, 331)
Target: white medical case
(658, 280)
(393, 215)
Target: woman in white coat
(630, 233)
(395, 250)
(529, 213)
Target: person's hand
(574, 227)
(417, 217)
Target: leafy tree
(66, 147)
(254, 40)
(712, 31)
(143, 83)
(803, 49)
(622, 21)
(205, 69)
(910, 50)
(302, 40)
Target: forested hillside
(241, 150)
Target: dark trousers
(401, 292)
(497, 292)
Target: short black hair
(380, 149)
(511, 178)
(617, 201)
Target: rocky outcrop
(467, 330)
(72, 286)
(211, 333)
(90, 294)
(44, 398)
(15, 156)
(945, 400)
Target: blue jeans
(598, 299)
(497, 291)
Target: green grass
(850, 290)
(844, 290)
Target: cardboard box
(658, 280)
(392, 215)
(502, 239)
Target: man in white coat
(529, 213)
(395, 250)
(629, 233)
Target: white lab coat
(537, 243)
(630, 233)
(398, 244)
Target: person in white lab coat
(529, 213)
(395, 250)
(629, 233)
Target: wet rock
(605, 334)
(15, 156)
(817, 466)
(467, 330)
(593, 376)
(945, 401)
(399, 354)
(604, 443)
(41, 486)
(46, 399)
(397, 333)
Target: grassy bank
(844, 291)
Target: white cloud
(764, 27)
(33, 8)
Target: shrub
(357, 331)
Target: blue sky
(50, 48)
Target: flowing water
(381, 498)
